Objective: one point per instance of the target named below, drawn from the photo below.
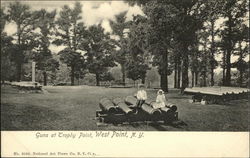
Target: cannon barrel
(148, 109)
(155, 104)
(124, 107)
(165, 109)
(169, 107)
(107, 105)
(172, 107)
(130, 100)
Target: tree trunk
(228, 69)
(72, 76)
(192, 78)
(229, 50)
(241, 72)
(223, 76)
(123, 74)
(19, 71)
(143, 80)
(97, 77)
(164, 76)
(212, 53)
(166, 90)
(44, 78)
(19, 64)
(224, 68)
(185, 68)
(204, 80)
(175, 74)
(179, 74)
(196, 78)
(163, 81)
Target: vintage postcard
(131, 78)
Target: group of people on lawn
(141, 96)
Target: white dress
(161, 101)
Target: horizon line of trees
(177, 37)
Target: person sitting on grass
(160, 99)
(141, 96)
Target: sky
(93, 12)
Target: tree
(213, 10)
(119, 26)
(204, 64)
(234, 12)
(21, 15)
(195, 64)
(190, 20)
(242, 51)
(106, 76)
(137, 58)
(70, 32)
(136, 68)
(160, 32)
(6, 47)
(99, 49)
(167, 19)
(43, 57)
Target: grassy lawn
(73, 108)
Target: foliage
(234, 12)
(42, 55)
(119, 26)
(138, 57)
(21, 15)
(70, 32)
(136, 68)
(99, 48)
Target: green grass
(73, 108)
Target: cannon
(148, 109)
(121, 105)
(125, 110)
(106, 105)
(131, 101)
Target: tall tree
(70, 32)
(234, 12)
(189, 20)
(21, 15)
(119, 26)
(137, 56)
(160, 24)
(6, 47)
(7, 67)
(213, 12)
(242, 50)
(43, 56)
(99, 49)
(195, 64)
(168, 19)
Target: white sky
(93, 12)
